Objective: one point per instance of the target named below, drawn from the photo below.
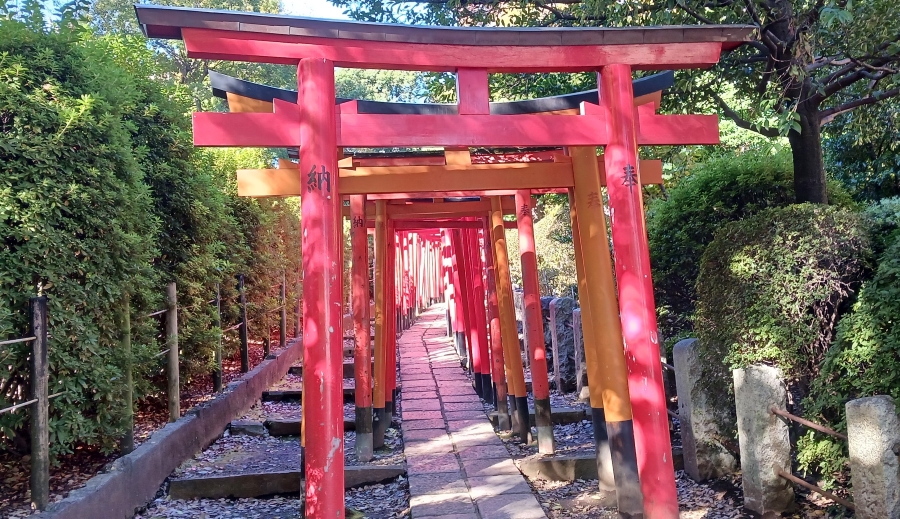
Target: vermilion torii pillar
(322, 309)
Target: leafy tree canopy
(811, 62)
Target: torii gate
(317, 128)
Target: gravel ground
(262, 411)
(387, 501)
(239, 454)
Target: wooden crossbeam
(431, 181)
(437, 210)
(288, 49)
(282, 129)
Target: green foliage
(719, 190)
(770, 286)
(103, 193)
(865, 357)
(77, 225)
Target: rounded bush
(770, 286)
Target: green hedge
(103, 193)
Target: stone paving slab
(431, 463)
(432, 505)
(440, 483)
(464, 415)
(421, 424)
(511, 506)
(424, 405)
(419, 395)
(454, 459)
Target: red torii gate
(318, 129)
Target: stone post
(763, 437)
(581, 376)
(700, 414)
(873, 434)
(563, 340)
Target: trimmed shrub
(770, 286)
(721, 190)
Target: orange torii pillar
(515, 372)
(380, 419)
(601, 297)
(322, 312)
(593, 353)
(391, 345)
(471, 244)
(362, 352)
(498, 374)
(534, 324)
(637, 308)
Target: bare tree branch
(683, 4)
(740, 121)
(828, 115)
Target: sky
(313, 9)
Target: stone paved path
(458, 468)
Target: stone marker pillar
(699, 414)
(581, 376)
(563, 341)
(763, 437)
(873, 434)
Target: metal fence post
(245, 355)
(40, 420)
(217, 372)
(127, 443)
(172, 343)
(282, 330)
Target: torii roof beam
(224, 35)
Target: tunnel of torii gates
(423, 248)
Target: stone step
(570, 468)
(291, 427)
(560, 415)
(271, 483)
(349, 369)
(295, 395)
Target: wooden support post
(508, 323)
(242, 331)
(380, 419)
(534, 324)
(174, 385)
(126, 445)
(472, 247)
(217, 371)
(498, 373)
(362, 351)
(40, 410)
(459, 299)
(282, 324)
(636, 306)
(605, 316)
(593, 358)
(462, 266)
(392, 322)
(323, 408)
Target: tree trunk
(806, 148)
